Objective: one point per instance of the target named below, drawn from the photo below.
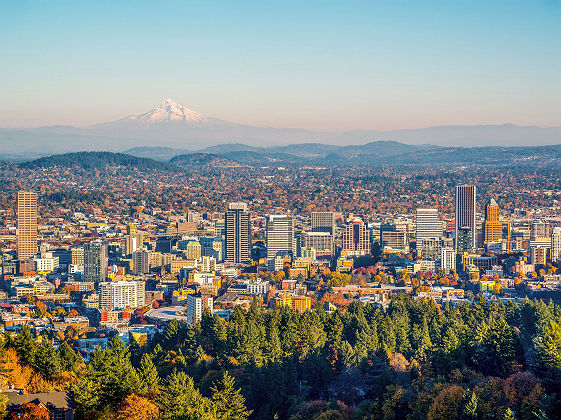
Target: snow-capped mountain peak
(168, 111)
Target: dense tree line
(413, 360)
(96, 160)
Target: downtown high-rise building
(196, 305)
(492, 227)
(447, 259)
(429, 248)
(238, 233)
(464, 239)
(322, 242)
(280, 238)
(121, 294)
(465, 214)
(27, 225)
(539, 229)
(427, 224)
(323, 221)
(356, 238)
(140, 262)
(95, 261)
(556, 245)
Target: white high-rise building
(427, 224)
(196, 304)
(121, 294)
(280, 238)
(448, 259)
(238, 233)
(556, 245)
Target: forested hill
(97, 160)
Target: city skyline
(280, 210)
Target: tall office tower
(323, 221)
(538, 255)
(393, 239)
(465, 211)
(464, 239)
(539, 229)
(356, 238)
(121, 294)
(447, 259)
(220, 229)
(133, 242)
(428, 225)
(238, 233)
(27, 224)
(556, 245)
(280, 238)
(493, 229)
(95, 261)
(140, 262)
(322, 242)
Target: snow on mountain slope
(169, 111)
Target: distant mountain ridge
(373, 154)
(96, 160)
(388, 153)
(304, 150)
(174, 126)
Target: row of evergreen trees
(411, 360)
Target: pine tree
(25, 345)
(274, 350)
(115, 372)
(69, 359)
(46, 360)
(180, 400)
(171, 337)
(219, 335)
(334, 328)
(364, 345)
(148, 375)
(87, 393)
(547, 354)
(227, 402)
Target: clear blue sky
(315, 64)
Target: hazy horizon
(319, 65)
(389, 130)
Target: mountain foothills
(383, 153)
(172, 125)
(96, 160)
